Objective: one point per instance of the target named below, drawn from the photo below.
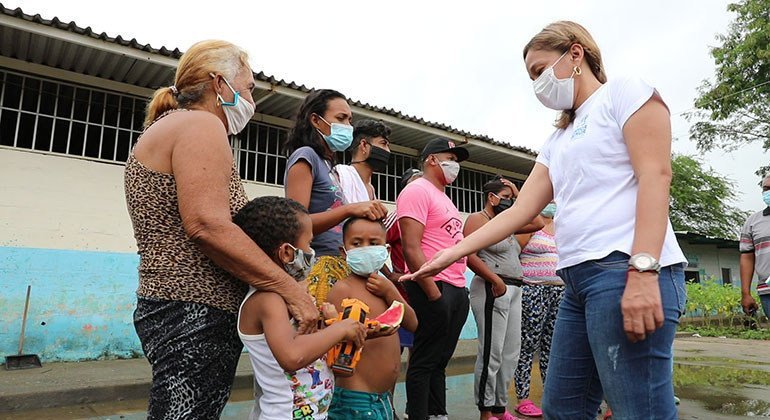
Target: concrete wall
(65, 231)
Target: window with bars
(57, 117)
(49, 116)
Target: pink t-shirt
(425, 203)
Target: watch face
(643, 262)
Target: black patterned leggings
(539, 305)
(194, 350)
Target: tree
(700, 200)
(734, 109)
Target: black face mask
(503, 205)
(378, 159)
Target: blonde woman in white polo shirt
(608, 168)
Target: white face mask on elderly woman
(238, 112)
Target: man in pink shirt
(429, 222)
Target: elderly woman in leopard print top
(195, 264)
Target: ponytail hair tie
(174, 90)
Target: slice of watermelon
(392, 316)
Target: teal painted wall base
(81, 306)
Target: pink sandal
(529, 409)
(506, 416)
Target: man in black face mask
(370, 152)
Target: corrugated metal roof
(140, 71)
(698, 239)
(87, 31)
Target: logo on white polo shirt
(581, 126)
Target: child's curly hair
(270, 221)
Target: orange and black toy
(344, 357)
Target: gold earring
(577, 70)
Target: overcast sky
(459, 63)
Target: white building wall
(58, 202)
(711, 260)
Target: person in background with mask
(608, 166)
(370, 152)
(540, 298)
(323, 127)
(195, 263)
(496, 303)
(429, 221)
(755, 256)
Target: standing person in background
(755, 255)
(369, 153)
(323, 127)
(195, 264)
(429, 221)
(496, 303)
(608, 166)
(397, 253)
(541, 296)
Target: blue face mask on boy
(367, 259)
(766, 197)
(549, 211)
(341, 136)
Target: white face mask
(450, 169)
(238, 112)
(555, 93)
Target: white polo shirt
(593, 181)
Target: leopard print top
(171, 266)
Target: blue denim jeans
(591, 356)
(764, 300)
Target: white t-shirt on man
(593, 181)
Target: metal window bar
(18, 115)
(466, 192)
(37, 114)
(2, 91)
(55, 110)
(24, 88)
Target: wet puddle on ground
(710, 388)
(724, 387)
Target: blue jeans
(765, 302)
(591, 355)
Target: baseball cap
(440, 145)
(411, 172)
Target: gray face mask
(450, 169)
(299, 268)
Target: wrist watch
(643, 262)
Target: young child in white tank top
(292, 379)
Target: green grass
(731, 332)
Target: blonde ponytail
(163, 100)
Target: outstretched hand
(439, 262)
